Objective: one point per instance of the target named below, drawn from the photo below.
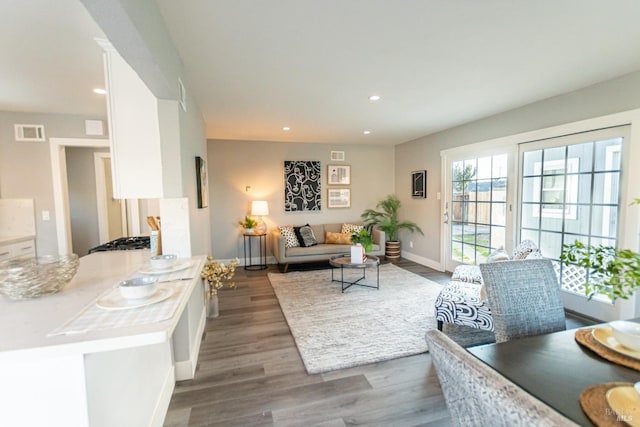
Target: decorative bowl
(34, 277)
(626, 333)
(138, 288)
(162, 262)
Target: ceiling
(254, 66)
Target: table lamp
(260, 208)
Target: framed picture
(339, 198)
(201, 182)
(302, 186)
(419, 184)
(338, 175)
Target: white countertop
(25, 324)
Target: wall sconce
(260, 208)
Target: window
(478, 207)
(571, 191)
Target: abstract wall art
(302, 187)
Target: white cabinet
(17, 250)
(134, 129)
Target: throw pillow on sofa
(291, 241)
(305, 236)
(337, 238)
(351, 228)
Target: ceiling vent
(337, 156)
(29, 132)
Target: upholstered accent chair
(524, 297)
(463, 301)
(477, 395)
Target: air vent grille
(29, 132)
(337, 156)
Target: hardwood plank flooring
(250, 373)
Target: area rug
(335, 330)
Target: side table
(262, 251)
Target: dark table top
(554, 368)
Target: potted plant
(387, 221)
(217, 274)
(248, 224)
(612, 272)
(363, 238)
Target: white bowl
(162, 262)
(138, 288)
(626, 333)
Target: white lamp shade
(259, 208)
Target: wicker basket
(34, 277)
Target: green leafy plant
(364, 238)
(387, 218)
(612, 272)
(248, 222)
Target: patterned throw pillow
(524, 249)
(351, 228)
(337, 238)
(291, 241)
(305, 236)
(498, 255)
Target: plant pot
(248, 231)
(392, 250)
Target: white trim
(423, 261)
(185, 370)
(162, 404)
(101, 196)
(57, 150)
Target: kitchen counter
(112, 376)
(7, 240)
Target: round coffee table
(344, 261)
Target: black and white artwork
(302, 187)
(419, 184)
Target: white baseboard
(436, 265)
(186, 369)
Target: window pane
(457, 211)
(469, 233)
(499, 190)
(469, 253)
(583, 153)
(529, 161)
(530, 235)
(531, 189)
(498, 237)
(483, 213)
(554, 160)
(605, 188)
(530, 215)
(604, 221)
(551, 244)
(579, 188)
(484, 168)
(579, 223)
(456, 251)
(608, 154)
(498, 213)
(551, 222)
(499, 167)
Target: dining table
(555, 368)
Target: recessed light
(99, 91)
(374, 98)
(367, 132)
(286, 128)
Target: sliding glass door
(570, 190)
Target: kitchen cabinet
(144, 134)
(17, 248)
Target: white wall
(234, 165)
(25, 167)
(617, 95)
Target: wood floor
(250, 373)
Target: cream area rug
(335, 330)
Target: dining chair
(477, 395)
(524, 297)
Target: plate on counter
(180, 265)
(624, 402)
(115, 301)
(605, 337)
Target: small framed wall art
(201, 182)
(338, 175)
(419, 184)
(339, 198)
